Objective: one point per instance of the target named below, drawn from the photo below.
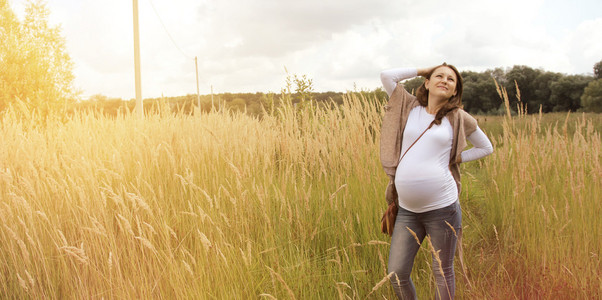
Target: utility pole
(198, 96)
(139, 108)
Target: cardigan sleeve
(391, 77)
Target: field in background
(227, 206)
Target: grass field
(227, 206)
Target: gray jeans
(404, 247)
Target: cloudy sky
(245, 45)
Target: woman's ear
(426, 84)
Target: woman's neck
(434, 105)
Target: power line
(167, 31)
(181, 51)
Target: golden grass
(224, 205)
(538, 225)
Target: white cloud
(585, 46)
(275, 28)
(243, 46)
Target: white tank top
(423, 179)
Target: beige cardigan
(396, 115)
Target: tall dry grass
(225, 206)
(218, 206)
(537, 227)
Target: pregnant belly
(420, 194)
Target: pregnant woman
(422, 143)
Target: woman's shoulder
(465, 115)
(405, 98)
(468, 122)
(399, 105)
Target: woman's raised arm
(391, 77)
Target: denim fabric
(404, 248)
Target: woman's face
(442, 83)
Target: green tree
(591, 100)
(542, 86)
(479, 94)
(566, 92)
(34, 65)
(499, 75)
(598, 70)
(524, 77)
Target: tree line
(536, 89)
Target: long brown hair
(455, 102)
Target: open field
(227, 206)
